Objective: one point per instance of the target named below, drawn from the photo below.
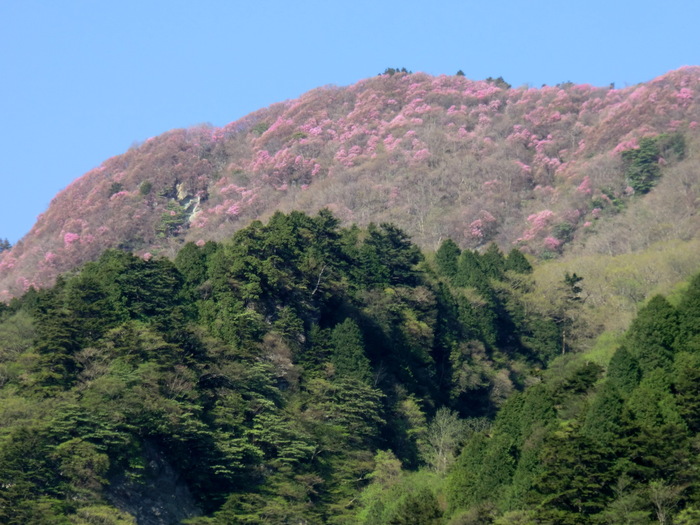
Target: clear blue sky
(81, 81)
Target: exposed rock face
(440, 157)
(160, 498)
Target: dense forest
(304, 372)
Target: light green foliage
(446, 433)
(101, 515)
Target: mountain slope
(441, 157)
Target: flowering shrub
(428, 153)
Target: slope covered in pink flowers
(477, 161)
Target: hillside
(255, 379)
(550, 169)
(301, 372)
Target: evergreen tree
(469, 272)
(446, 258)
(516, 262)
(652, 334)
(492, 262)
(348, 352)
(642, 165)
(688, 316)
(623, 371)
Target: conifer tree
(446, 258)
(652, 334)
(348, 352)
(493, 262)
(517, 262)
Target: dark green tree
(418, 508)
(446, 258)
(388, 257)
(688, 315)
(624, 372)
(348, 352)
(642, 165)
(516, 262)
(652, 334)
(493, 262)
(469, 271)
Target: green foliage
(392, 71)
(446, 258)
(172, 220)
(301, 372)
(145, 188)
(653, 333)
(348, 352)
(116, 187)
(260, 128)
(642, 168)
(516, 262)
(499, 82)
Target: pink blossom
(523, 166)
(69, 238)
(200, 242)
(421, 155)
(541, 219)
(118, 194)
(585, 186)
(200, 220)
(685, 95)
(475, 228)
(628, 144)
(398, 121)
(147, 256)
(552, 243)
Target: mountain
(550, 170)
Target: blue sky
(81, 81)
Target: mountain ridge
(476, 161)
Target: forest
(307, 372)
